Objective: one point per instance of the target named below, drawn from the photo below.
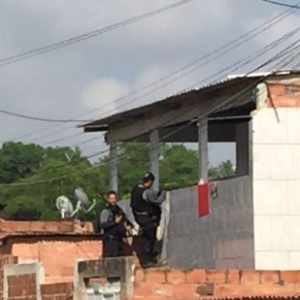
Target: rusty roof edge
(7, 235)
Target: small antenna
(69, 157)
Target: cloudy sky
(90, 76)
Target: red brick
(290, 276)
(232, 290)
(47, 289)
(37, 226)
(269, 277)
(205, 289)
(215, 276)
(15, 226)
(7, 259)
(184, 291)
(68, 271)
(64, 288)
(139, 276)
(233, 276)
(176, 276)
(224, 290)
(66, 226)
(143, 290)
(12, 280)
(60, 297)
(16, 291)
(196, 276)
(250, 276)
(289, 288)
(32, 290)
(155, 276)
(163, 290)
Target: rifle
(119, 212)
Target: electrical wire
(244, 61)
(91, 34)
(224, 103)
(281, 4)
(280, 17)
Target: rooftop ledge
(44, 227)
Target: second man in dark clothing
(114, 226)
(145, 205)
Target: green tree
(55, 175)
(178, 167)
(18, 160)
(133, 163)
(36, 176)
(225, 169)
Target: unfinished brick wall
(164, 284)
(45, 226)
(284, 94)
(57, 291)
(57, 254)
(5, 259)
(22, 287)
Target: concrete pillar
(154, 157)
(203, 149)
(242, 149)
(113, 164)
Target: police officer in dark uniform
(145, 205)
(114, 224)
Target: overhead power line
(233, 67)
(91, 34)
(224, 50)
(282, 4)
(39, 119)
(221, 105)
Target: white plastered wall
(276, 188)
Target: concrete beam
(192, 107)
(110, 267)
(242, 149)
(113, 167)
(154, 157)
(203, 149)
(121, 267)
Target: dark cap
(148, 177)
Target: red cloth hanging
(203, 199)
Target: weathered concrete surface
(222, 239)
(121, 267)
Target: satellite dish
(83, 203)
(65, 206)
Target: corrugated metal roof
(172, 101)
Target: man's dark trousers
(148, 238)
(112, 248)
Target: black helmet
(148, 177)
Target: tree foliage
(32, 177)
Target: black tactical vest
(114, 210)
(137, 203)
